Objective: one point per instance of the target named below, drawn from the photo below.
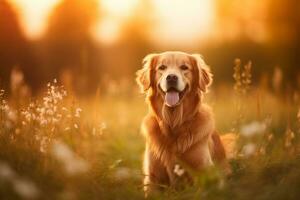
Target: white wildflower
(37, 137)
(6, 172)
(27, 116)
(103, 126)
(178, 170)
(61, 151)
(72, 164)
(54, 108)
(122, 173)
(41, 110)
(12, 115)
(76, 126)
(77, 166)
(46, 99)
(252, 129)
(43, 144)
(77, 112)
(26, 189)
(249, 149)
(55, 120)
(5, 107)
(64, 93)
(50, 112)
(43, 122)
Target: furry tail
(229, 141)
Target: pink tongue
(172, 98)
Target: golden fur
(181, 134)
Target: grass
(58, 147)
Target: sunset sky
(178, 21)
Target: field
(56, 146)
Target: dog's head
(174, 75)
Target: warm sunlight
(108, 31)
(115, 13)
(175, 19)
(118, 8)
(34, 14)
(182, 22)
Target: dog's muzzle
(172, 81)
(172, 94)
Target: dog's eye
(184, 67)
(162, 67)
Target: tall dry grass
(55, 146)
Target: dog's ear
(204, 73)
(144, 75)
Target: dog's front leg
(198, 157)
(170, 166)
(156, 175)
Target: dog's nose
(172, 78)
(172, 81)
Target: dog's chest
(181, 140)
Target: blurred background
(89, 45)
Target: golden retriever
(178, 127)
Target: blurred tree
(284, 27)
(244, 20)
(15, 50)
(241, 33)
(266, 32)
(134, 43)
(69, 46)
(284, 21)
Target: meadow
(57, 146)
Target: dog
(178, 127)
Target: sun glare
(33, 15)
(177, 21)
(108, 31)
(118, 8)
(116, 12)
(182, 22)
